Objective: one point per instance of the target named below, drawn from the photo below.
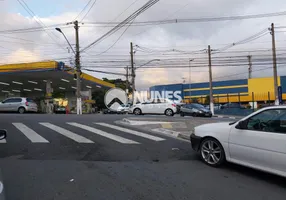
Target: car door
(263, 141)
(15, 104)
(3, 105)
(187, 109)
(154, 106)
(145, 107)
(7, 105)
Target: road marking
(30, 134)
(67, 133)
(144, 135)
(3, 141)
(104, 134)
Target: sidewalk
(229, 116)
(177, 128)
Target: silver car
(18, 104)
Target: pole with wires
(211, 80)
(127, 80)
(274, 65)
(132, 72)
(249, 67)
(78, 71)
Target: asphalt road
(64, 161)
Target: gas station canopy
(32, 77)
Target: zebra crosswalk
(78, 133)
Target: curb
(226, 117)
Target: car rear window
(30, 100)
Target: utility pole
(132, 72)
(127, 80)
(274, 65)
(250, 67)
(211, 81)
(78, 71)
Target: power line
(114, 42)
(33, 15)
(88, 11)
(82, 9)
(203, 19)
(127, 20)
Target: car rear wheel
(182, 114)
(137, 111)
(211, 152)
(21, 110)
(169, 112)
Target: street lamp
(59, 30)
(77, 63)
(148, 63)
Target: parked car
(124, 108)
(108, 111)
(216, 107)
(155, 106)
(18, 104)
(60, 110)
(232, 105)
(256, 141)
(195, 110)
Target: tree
(98, 96)
(207, 99)
(119, 83)
(195, 100)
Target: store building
(242, 90)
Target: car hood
(214, 127)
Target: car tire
(21, 110)
(169, 112)
(194, 114)
(182, 114)
(137, 111)
(212, 152)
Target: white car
(156, 106)
(124, 108)
(257, 141)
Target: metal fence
(248, 102)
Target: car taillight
(27, 104)
(174, 105)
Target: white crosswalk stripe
(67, 133)
(104, 134)
(137, 133)
(3, 141)
(30, 134)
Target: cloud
(186, 37)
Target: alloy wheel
(169, 112)
(211, 152)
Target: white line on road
(104, 134)
(67, 133)
(3, 141)
(144, 135)
(30, 134)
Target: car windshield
(199, 106)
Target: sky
(168, 45)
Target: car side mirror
(242, 125)
(3, 134)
